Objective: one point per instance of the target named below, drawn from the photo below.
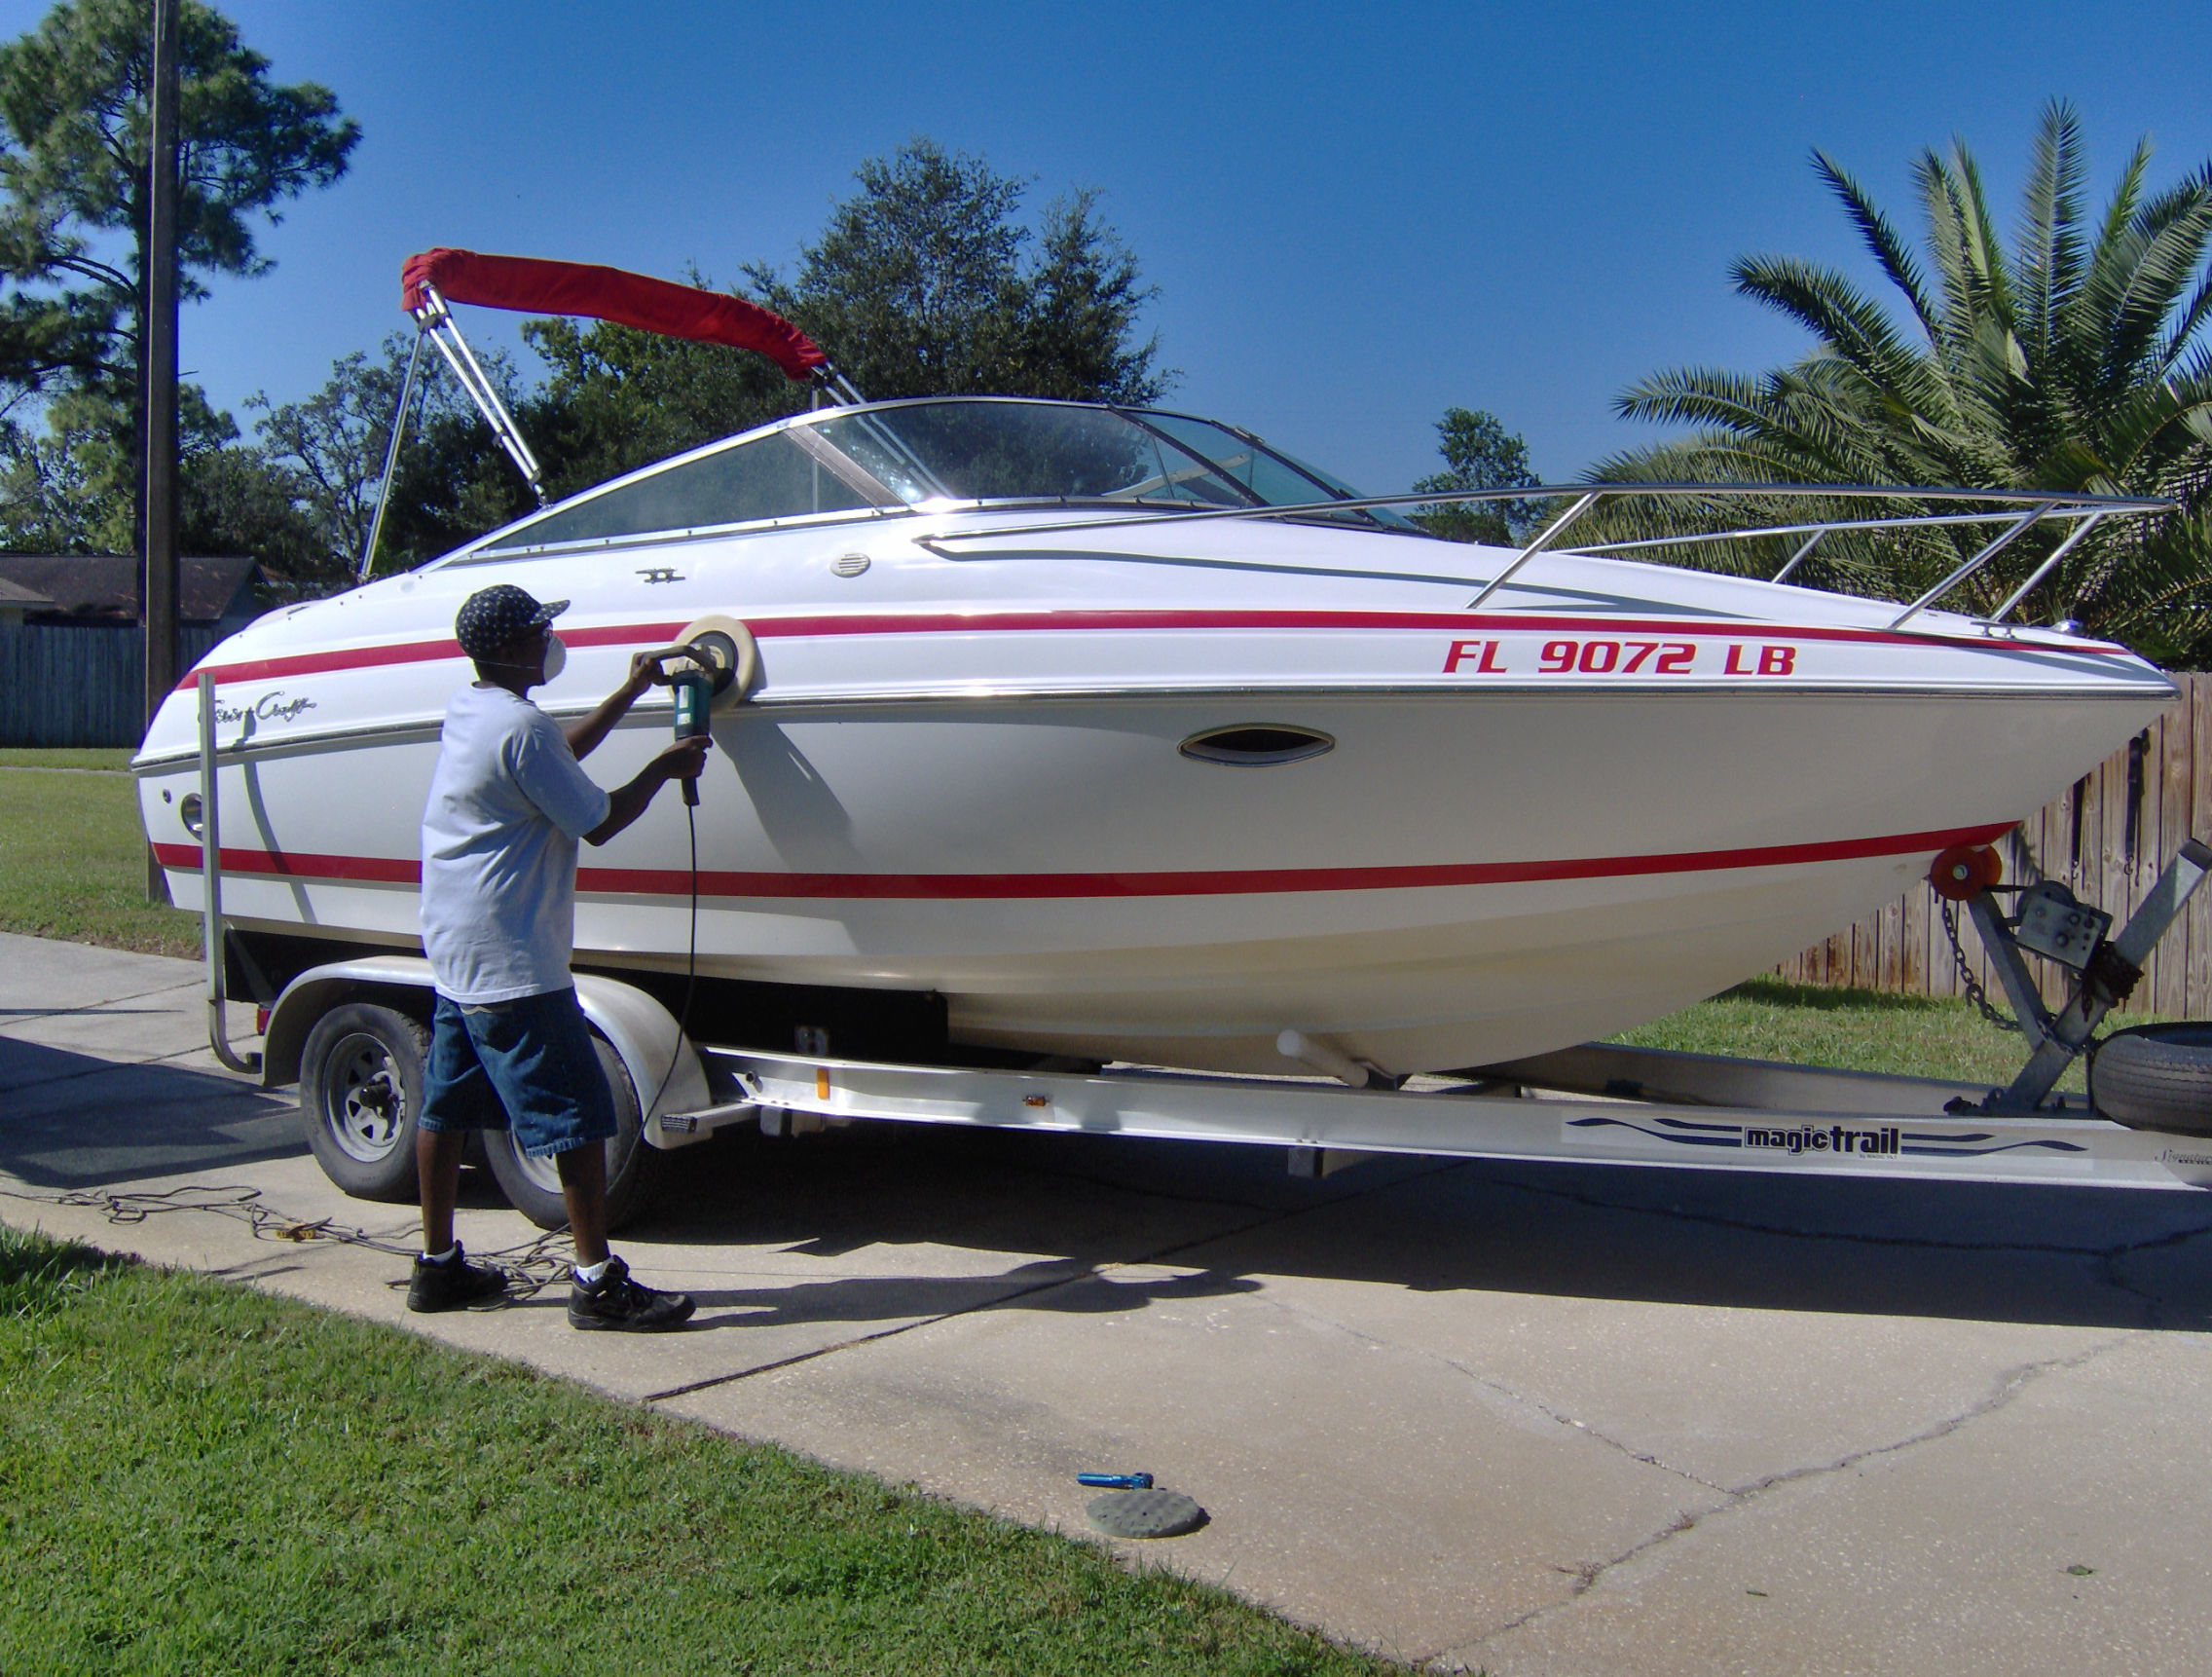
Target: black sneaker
(454, 1285)
(616, 1302)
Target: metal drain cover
(1145, 1513)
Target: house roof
(103, 588)
(14, 594)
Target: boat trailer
(1681, 1110)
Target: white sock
(590, 1273)
(447, 1257)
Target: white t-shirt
(509, 802)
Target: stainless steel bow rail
(2011, 512)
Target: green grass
(21, 757)
(73, 857)
(196, 1477)
(1856, 1030)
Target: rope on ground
(530, 1268)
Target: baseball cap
(493, 617)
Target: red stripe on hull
(1001, 887)
(298, 865)
(415, 653)
(1038, 622)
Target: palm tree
(2078, 361)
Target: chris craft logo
(278, 706)
(1818, 1142)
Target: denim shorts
(526, 1066)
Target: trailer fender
(653, 1048)
(658, 1056)
(402, 982)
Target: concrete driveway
(1533, 1420)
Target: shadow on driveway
(2073, 1256)
(1978, 1251)
(70, 1120)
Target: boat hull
(1469, 874)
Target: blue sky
(1356, 215)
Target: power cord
(528, 1268)
(690, 965)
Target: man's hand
(681, 758)
(644, 670)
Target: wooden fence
(2106, 840)
(80, 683)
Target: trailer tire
(361, 1079)
(533, 1186)
(2155, 1077)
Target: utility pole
(156, 383)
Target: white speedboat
(1109, 734)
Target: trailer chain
(1967, 981)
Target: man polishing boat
(510, 1047)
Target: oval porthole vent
(1257, 744)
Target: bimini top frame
(431, 281)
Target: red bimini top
(528, 282)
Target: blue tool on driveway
(1115, 1481)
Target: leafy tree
(331, 446)
(46, 504)
(72, 490)
(923, 283)
(1479, 452)
(74, 201)
(236, 500)
(616, 398)
(2078, 361)
(74, 177)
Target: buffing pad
(1145, 1513)
(727, 639)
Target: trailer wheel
(360, 1090)
(533, 1186)
(2155, 1077)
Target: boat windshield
(927, 455)
(1267, 474)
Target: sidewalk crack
(1490, 1383)
(1588, 1575)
